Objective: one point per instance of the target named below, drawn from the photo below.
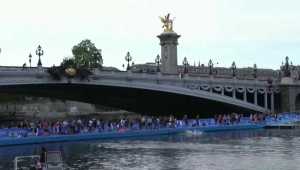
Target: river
(233, 150)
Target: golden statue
(70, 71)
(168, 24)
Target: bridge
(145, 93)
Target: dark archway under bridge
(142, 101)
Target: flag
(181, 75)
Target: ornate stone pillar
(245, 94)
(233, 92)
(272, 101)
(255, 96)
(168, 43)
(222, 90)
(266, 99)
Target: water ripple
(232, 150)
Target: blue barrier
(285, 119)
(15, 132)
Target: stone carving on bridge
(69, 69)
(270, 83)
(286, 68)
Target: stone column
(233, 92)
(245, 95)
(168, 42)
(272, 101)
(222, 90)
(266, 99)
(255, 96)
(288, 96)
(210, 89)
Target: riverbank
(105, 135)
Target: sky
(244, 31)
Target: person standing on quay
(46, 128)
(216, 120)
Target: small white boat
(53, 161)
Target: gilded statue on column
(168, 24)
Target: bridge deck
(105, 135)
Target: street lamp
(185, 63)
(157, 61)
(30, 56)
(255, 71)
(123, 66)
(233, 67)
(128, 58)
(39, 52)
(210, 65)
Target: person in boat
(42, 158)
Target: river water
(233, 150)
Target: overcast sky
(244, 31)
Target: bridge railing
(137, 74)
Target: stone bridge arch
(297, 101)
(138, 97)
(133, 91)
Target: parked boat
(53, 161)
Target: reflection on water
(237, 150)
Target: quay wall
(106, 135)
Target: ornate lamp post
(39, 52)
(157, 61)
(185, 63)
(255, 71)
(233, 67)
(30, 56)
(210, 65)
(128, 58)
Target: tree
(86, 53)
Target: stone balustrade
(98, 72)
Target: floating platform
(283, 126)
(105, 135)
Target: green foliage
(67, 62)
(86, 53)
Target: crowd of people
(233, 119)
(143, 123)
